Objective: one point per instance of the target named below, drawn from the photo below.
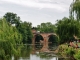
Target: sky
(36, 11)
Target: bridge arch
(37, 36)
(51, 37)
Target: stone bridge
(42, 35)
(43, 38)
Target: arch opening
(38, 39)
(53, 41)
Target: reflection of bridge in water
(44, 41)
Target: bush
(70, 52)
(77, 55)
(66, 51)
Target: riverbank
(70, 52)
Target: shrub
(77, 55)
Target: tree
(9, 38)
(66, 28)
(46, 27)
(25, 29)
(75, 9)
(12, 18)
(75, 12)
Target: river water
(31, 53)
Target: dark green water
(29, 52)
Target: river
(30, 53)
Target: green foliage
(66, 51)
(9, 37)
(66, 28)
(6, 49)
(46, 27)
(70, 52)
(2, 54)
(77, 55)
(12, 18)
(25, 29)
(8, 32)
(75, 9)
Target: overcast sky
(36, 11)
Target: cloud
(38, 4)
(36, 10)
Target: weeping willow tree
(75, 12)
(75, 9)
(66, 28)
(9, 37)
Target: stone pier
(45, 45)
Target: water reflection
(29, 52)
(35, 57)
